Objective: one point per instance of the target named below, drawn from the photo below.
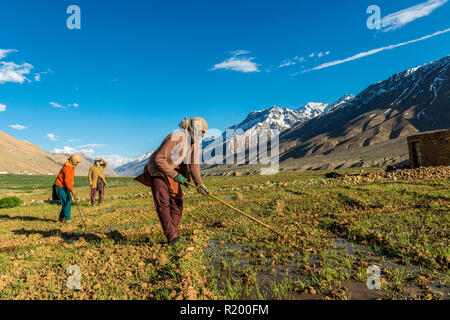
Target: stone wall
(430, 149)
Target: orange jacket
(66, 177)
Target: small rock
(191, 293)
(162, 259)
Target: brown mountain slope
(412, 101)
(22, 156)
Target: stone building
(429, 149)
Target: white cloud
(11, 72)
(4, 52)
(115, 160)
(73, 140)
(57, 105)
(291, 62)
(70, 150)
(37, 76)
(401, 18)
(238, 63)
(89, 152)
(88, 149)
(65, 150)
(60, 106)
(323, 54)
(312, 55)
(92, 145)
(50, 136)
(374, 51)
(240, 52)
(2, 107)
(18, 127)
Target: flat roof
(436, 132)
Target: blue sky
(137, 68)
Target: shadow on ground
(25, 218)
(72, 237)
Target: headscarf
(194, 126)
(73, 160)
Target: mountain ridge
(21, 156)
(415, 100)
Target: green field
(25, 183)
(335, 231)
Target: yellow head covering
(74, 160)
(188, 124)
(201, 123)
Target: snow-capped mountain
(281, 119)
(315, 109)
(415, 100)
(134, 168)
(342, 102)
(273, 118)
(312, 109)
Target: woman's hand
(203, 190)
(74, 195)
(180, 178)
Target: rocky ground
(335, 230)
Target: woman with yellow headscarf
(64, 186)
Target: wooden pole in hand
(79, 210)
(237, 210)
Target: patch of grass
(10, 202)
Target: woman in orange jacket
(64, 186)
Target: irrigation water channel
(231, 261)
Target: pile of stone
(428, 173)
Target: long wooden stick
(79, 210)
(237, 210)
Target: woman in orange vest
(64, 187)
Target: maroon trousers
(169, 209)
(101, 190)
